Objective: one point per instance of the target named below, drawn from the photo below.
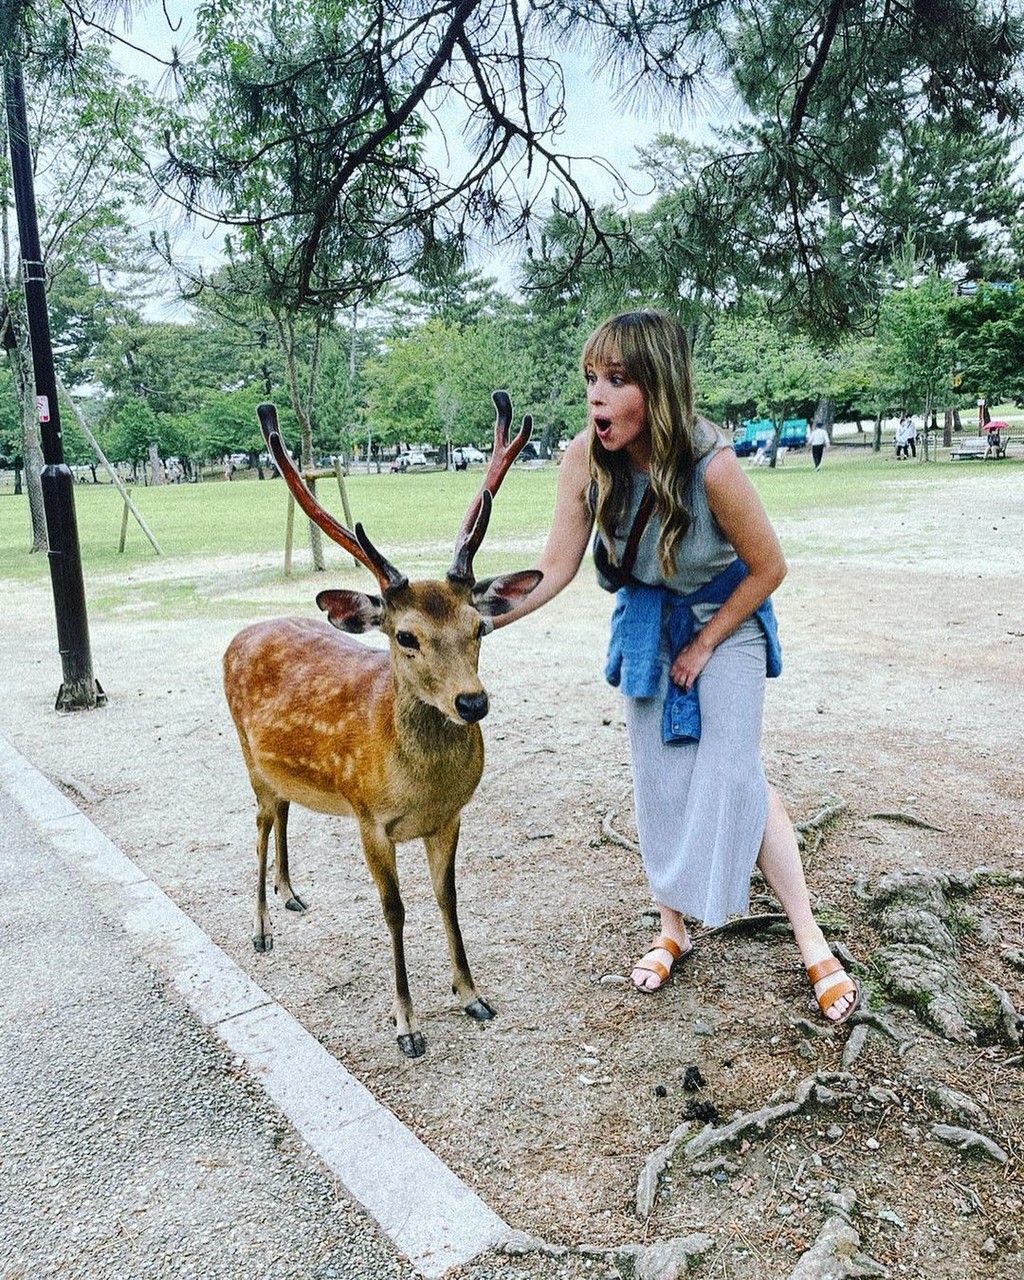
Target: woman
(683, 536)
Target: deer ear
(351, 610)
(494, 596)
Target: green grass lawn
(412, 518)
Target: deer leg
(266, 816)
(282, 880)
(441, 859)
(380, 858)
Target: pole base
(80, 696)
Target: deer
(390, 736)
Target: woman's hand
(690, 662)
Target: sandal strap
(662, 943)
(655, 967)
(823, 968)
(828, 998)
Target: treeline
(815, 249)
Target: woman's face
(618, 412)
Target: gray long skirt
(702, 807)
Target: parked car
(409, 461)
(464, 454)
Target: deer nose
(471, 706)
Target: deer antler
(356, 544)
(474, 526)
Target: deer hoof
(263, 942)
(413, 1045)
(480, 1010)
(295, 903)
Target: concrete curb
(429, 1214)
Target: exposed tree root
(609, 832)
(908, 819)
(817, 825)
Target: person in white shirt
(819, 443)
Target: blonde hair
(651, 350)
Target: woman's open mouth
(602, 426)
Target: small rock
(612, 979)
(872, 1144)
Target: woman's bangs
(604, 350)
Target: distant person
(910, 437)
(900, 438)
(819, 443)
(683, 540)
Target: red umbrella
(997, 424)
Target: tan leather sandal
(849, 986)
(661, 943)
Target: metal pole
(80, 689)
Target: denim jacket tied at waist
(634, 648)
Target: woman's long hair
(653, 352)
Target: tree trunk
(876, 443)
(825, 413)
(155, 465)
(286, 336)
(34, 463)
(947, 428)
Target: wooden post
(124, 519)
(339, 471)
(311, 478)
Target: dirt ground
(902, 695)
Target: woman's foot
(836, 992)
(656, 965)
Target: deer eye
(407, 640)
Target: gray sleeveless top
(703, 552)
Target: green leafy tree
(752, 365)
(88, 126)
(916, 350)
(988, 330)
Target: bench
(970, 447)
